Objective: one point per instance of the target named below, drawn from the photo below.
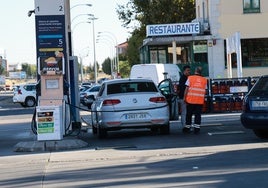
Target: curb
(59, 145)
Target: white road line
(225, 132)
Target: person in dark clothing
(182, 86)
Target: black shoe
(196, 130)
(186, 130)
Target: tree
(134, 44)
(30, 70)
(136, 14)
(2, 70)
(124, 69)
(106, 66)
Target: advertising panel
(173, 29)
(50, 36)
(49, 124)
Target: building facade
(218, 19)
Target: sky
(17, 30)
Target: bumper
(17, 100)
(254, 120)
(116, 120)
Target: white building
(219, 19)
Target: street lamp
(71, 21)
(81, 62)
(89, 5)
(113, 42)
(93, 18)
(80, 15)
(78, 24)
(73, 32)
(111, 35)
(110, 45)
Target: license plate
(134, 116)
(259, 104)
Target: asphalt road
(223, 155)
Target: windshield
(260, 88)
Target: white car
(129, 103)
(25, 95)
(88, 96)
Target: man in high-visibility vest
(194, 97)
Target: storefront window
(200, 51)
(158, 54)
(153, 56)
(251, 6)
(254, 52)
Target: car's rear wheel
(94, 128)
(29, 101)
(102, 133)
(263, 134)
(165, 129)
(90, 98)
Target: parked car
(87, 96)
(25, 95)
(84, 88)
(156, 72)
(255, 108)
(88, 84)
(129, 103)
(2, 88)
(90, 95)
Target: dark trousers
(193, 109)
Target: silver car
(129, 103)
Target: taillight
(110, 102)
(19, 92)
(158, 99)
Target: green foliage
(2, 71)
(136, 14)
(134, 45)
(145, 12)
(124, 69)
(30, 70)
(106, 66)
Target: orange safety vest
(196, 90)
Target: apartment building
(206, 45)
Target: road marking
(116, 147)
(225, 132)
(211, 124)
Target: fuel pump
(52, 113)
(50, 116)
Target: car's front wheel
(263, 134)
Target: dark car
(255, 108)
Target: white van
(156, 72)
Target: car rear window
(260, 88)
(131, 87)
